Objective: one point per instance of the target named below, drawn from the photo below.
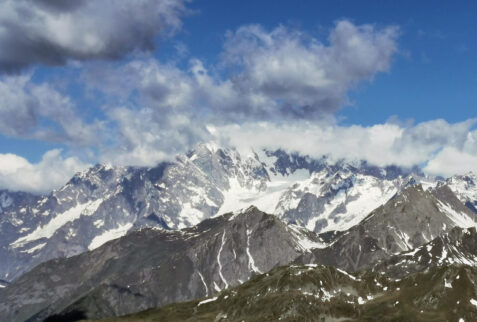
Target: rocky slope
(410, 220)
(150, 267)
(321, 293)
(105, 202)
(458, 246)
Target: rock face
(321, 293)
(410, 220)
(105, 202)
(15, 219)
(457, 247)
(150, 268)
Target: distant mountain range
(117, 240)
(105, 202)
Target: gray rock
(150, 267)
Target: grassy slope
(299, 294)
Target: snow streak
(251, 262)
(218, 261)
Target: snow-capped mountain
(105, 201)
(153, 267)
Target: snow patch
(208, 301)
(304, 242)
(109, 235)
(98, 223)
(191, 215)
(460, 219)
(447, 284)
(347, 274)
(205, 285)
(473, 302)
(48, 230)
(34, 249)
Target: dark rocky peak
(287, 163)
(100, 173)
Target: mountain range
(117, 240)
(105, 202)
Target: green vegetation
(321, 293)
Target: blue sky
(434, 76)
(436, 65)
(96, 85)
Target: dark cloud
(59, 5)
(51, 32)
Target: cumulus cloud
(303, 76)
(53, 171)
(52, 32)
(276, 76)
(28, 110)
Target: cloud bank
(438, 147)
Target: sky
(138, 82)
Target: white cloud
(448, 148)
(301, 75)
(457, 158)
(276, 75)
(452, 161)
(282, 90)
(142, 140)
(279, 76)
(53, 171)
